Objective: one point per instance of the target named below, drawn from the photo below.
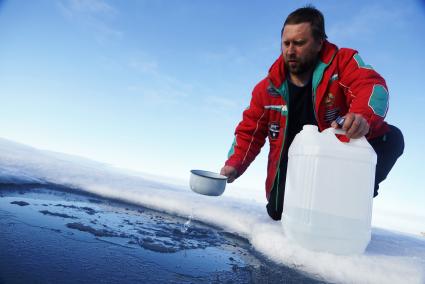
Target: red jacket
(341, 83)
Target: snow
(390, 257)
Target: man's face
(300, 50)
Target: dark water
(52, 236)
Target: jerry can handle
(337, 131)
(353, 141)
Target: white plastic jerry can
(329, 192)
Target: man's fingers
(349, 118)
(363, 130)
(231, 177)
(229, 172)
(354, 128)
(358, 127)
(360, 130)
(355, 132)
(355, 125)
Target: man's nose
(290, 50)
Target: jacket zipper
(281, 148)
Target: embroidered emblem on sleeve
(274, 129)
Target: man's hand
(355, 125)
(230, 172)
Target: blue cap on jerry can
(340, 121)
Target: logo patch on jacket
(274, 129)
(272, 91)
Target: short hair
(308, 14)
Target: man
(312, 82)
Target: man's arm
(367, 95)
(250, 135)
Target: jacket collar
(277, 73)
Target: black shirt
(300, 113)
(300, 110)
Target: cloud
(230, 55)
(155, 86)
(144, 64)
(154, 94)
(95, 15)
(370, 21)
(153, 83)
(91, 7)
(220, 102)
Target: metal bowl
(207, 183)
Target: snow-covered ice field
(391, 257)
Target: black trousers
(388, 148)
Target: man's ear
(321, 42)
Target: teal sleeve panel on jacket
(379, 100)
(232, 149)
(361, 63)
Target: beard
(299, 65)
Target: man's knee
(398, 138)
(388, 148)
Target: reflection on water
(51, 235)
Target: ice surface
(390, 257)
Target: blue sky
(159, 86)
